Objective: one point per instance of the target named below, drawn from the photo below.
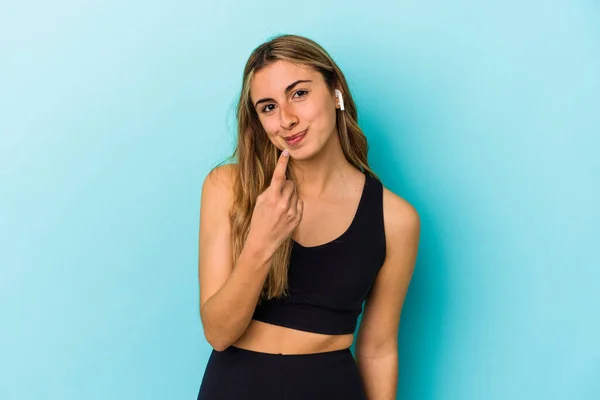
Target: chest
(325, 220)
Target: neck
(327, 173)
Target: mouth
(296, 138)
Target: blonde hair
(256, 156)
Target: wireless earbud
(339, 95)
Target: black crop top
(328, 283)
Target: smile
(294, 140)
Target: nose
(287, 119)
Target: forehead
(275, 77)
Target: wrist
(257, 251)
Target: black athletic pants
(242, 374)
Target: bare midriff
(268, 338)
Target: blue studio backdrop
(483, 115)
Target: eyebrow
(287, 89)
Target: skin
(330, 189)
(318, 159)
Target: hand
(278, 210)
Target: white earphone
(339, 95)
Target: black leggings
(241, 374)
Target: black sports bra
(328, 283)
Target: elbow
(211, 337)
(219, 337)
(216, 343)
(216, 338)
(218, 346)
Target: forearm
(226, 314)
(380, 375)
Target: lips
(296, 139)
(296, 135)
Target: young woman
(295, 236)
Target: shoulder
(401, 219)
(218, 184)
(220, 177)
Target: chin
(303, 153)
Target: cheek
(323, 116)
(314, 115)
(270, 126)
(313, 111)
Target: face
(290, 99)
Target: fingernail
(286, 152)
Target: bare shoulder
(400, 217)
(220, 180)
(217, 189)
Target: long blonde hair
(256, 156)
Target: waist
(268, 338)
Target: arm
(377, 341)
(228, 296)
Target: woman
(294, 236)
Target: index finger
(279, 173)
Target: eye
(265, 109)
(302, 91)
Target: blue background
(484, 115)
